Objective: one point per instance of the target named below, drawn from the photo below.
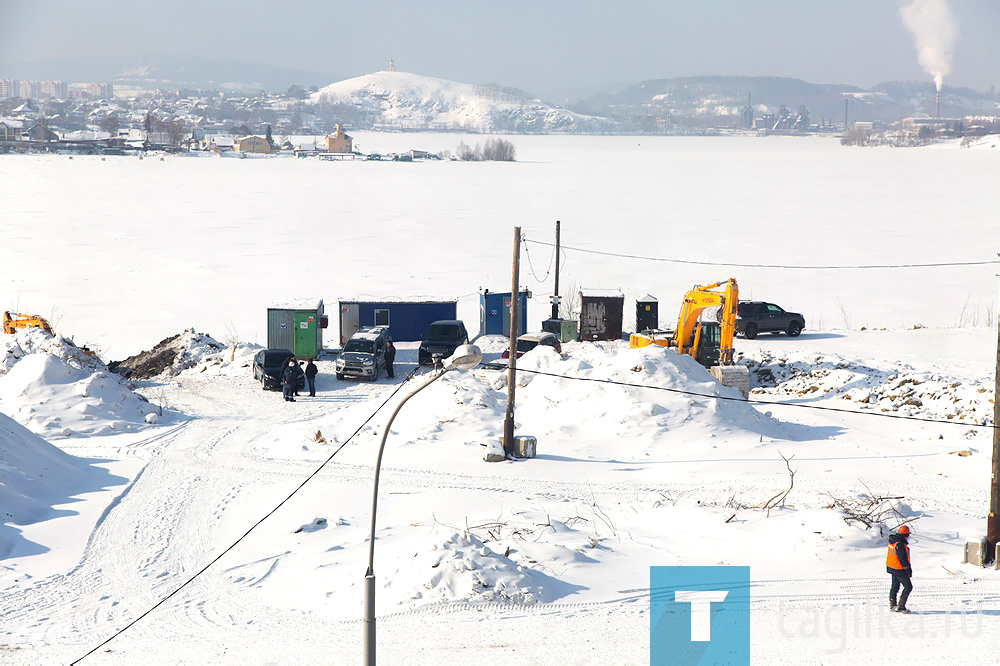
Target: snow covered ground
(531, 561)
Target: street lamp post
(465, 357)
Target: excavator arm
(16, 321)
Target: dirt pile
(169, 357)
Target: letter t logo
(701, 607)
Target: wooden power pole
(555, 295)
(508, 419)
(993, 521)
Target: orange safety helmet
(903, 529)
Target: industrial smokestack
(937, 106)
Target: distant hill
(411, 101)
(714, 96)
(165, 72)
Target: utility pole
(993, 520)
(555, 295)
(508, 419)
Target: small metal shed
(494, 312)
(297, 325)
(601, 314)
(647, 313)
(407, 320)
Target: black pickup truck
(753, 317)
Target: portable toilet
(647, 315)
(297, 325)
(494, 312)
(601, 314)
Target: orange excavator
(708, 342)
(12, 322)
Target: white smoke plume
(935, 30)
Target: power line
(759, 402)
(738, 265)
(531, 268)
(245, 534)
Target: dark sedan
(268, 365)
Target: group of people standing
(292, 374)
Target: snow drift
(51, 387)
(35, 476)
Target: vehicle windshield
(275, 360)
(442, 333)
(364, 346)
(526, 345)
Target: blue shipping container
(407, 320)
(494, 313)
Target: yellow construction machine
(12, 322)
(708, 342)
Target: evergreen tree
(270, 139)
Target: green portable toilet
(297, 325)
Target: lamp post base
(369, 646)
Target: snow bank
(457, 566)
(34, 477)
(899, 389)
(36, 341)
(54, 388)
(585, 410)
(49, 396)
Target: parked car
(753, 317)
(529, 341)
(364, 354)
(441, 339)
(268, 364)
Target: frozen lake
(157, 246)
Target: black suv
(364, 354)
(441, 339)
(268, 364)
(753, 317)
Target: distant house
(15, 130)
(217, 143)
(339, 142)
(252, 144)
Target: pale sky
(538, 45)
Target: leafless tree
(110, 124)
(176, 132)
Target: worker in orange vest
(897, 563)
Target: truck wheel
(794, 329)
(340, 376)
(750, 332)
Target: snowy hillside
(411, 101)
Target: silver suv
(364, 354)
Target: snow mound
(457, 566)
(423, 102)
(34, 477)
(595, 401)
(182, 352)
(36, 341)
(900, 389)
(49, 396)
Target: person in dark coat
(288, 381)
(897, 563)
(390, 355)
(311, 372)
(297, 369)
